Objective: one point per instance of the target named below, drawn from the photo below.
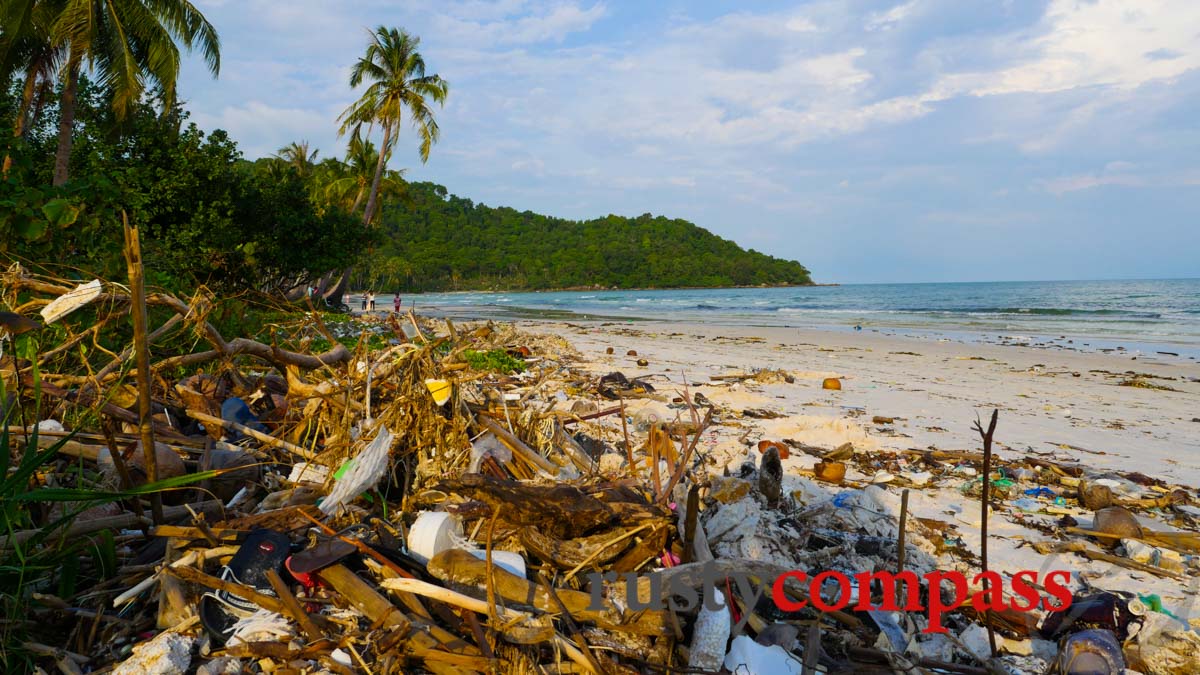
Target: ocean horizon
(1140, 315)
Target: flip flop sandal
(262, 551)
(304, 564)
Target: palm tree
(130, 45)
(398, 84)
(26, 46)
(347, 183)
(298, 157)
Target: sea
(1160, 316)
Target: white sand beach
(1054, 404)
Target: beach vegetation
(493, 360)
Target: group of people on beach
(368, 302)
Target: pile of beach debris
(461, 499)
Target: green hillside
(436, 241)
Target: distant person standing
(364, 302)
(396, 303)
(371, 301)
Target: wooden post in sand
(137, 290)
(983, 527)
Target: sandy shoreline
(933, 390)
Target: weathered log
(556, 509)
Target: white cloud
(552, 23)
(1120, 177)
(1109, 43)
(261, 129)
(887, 20)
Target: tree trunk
(22, 122)
(335, 296)
(66, 125)
(373, 197)
(339, 291)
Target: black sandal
(264, 550)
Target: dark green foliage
(206, 216)
(494, 360)
(440, 242)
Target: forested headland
(433, 240)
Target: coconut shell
(830, 472)
(1117, 521)
(1095, 497)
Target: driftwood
(557, 509)
(570, 553)
(111, 523)
(460, 567)
(221, 348)
(1082, 548)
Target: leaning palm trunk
(338, 293)
(66, 124)
(22, 122)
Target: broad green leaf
(60, 212)
(31, 229)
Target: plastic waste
(235, 410)
(486, 446)
(167, 653)
(440, 390)
(844, 499)
(506, 560)
(1091, 652)
(1022, 474)
(1027, 505)
(365, 471)
(1042, 492)
(432, 533)
(748, 657)
(918, 477)
(710, 634)
(1164, 645)
(70, 301)
(1106, 610)
(308, 473)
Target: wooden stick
(459, 566)
(257, 435)
(812, 648)
(572, 628)
(983, 526)
(903, 527)
(687, 457)
(629, 463)
(195, 576)
(292, 605)
(137, 286)
(359, 593)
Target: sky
(873, 141)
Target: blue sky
(919, 140)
